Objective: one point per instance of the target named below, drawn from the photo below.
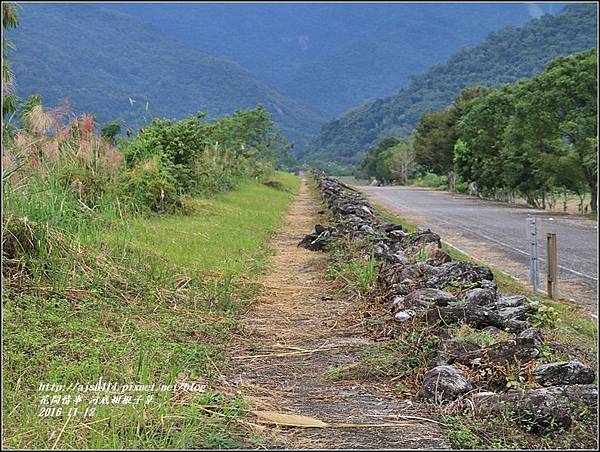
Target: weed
(470, 334)
(544, 317)
(347, 264)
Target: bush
(151, 186)
(191, 157)
(432, 180)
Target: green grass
(145, 301)
(223, 233)
(348, 266)
(469, 334)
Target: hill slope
(334, 56)
(100, 58)
(504, 56)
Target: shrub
(151, 186)
(432, 180)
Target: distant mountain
(505, 56)
(334, 56)
(100, 59)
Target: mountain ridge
(334, 56)
(503, 57)
(112, 57)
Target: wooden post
(552, 265)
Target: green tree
(111, 130)
(554, 126)
(372, 165)
(402, 161)
(478, 155)
(9, 99)
(436, 135)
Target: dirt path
(297, 330)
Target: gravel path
(498, 233)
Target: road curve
(498, 233)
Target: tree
(402, 162)
(436, 135)
(372, 165)
(9, 99)
(111, 130)
(478, 156)
(555, 120)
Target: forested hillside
(334, 56)
(505, 56)
(100, 59)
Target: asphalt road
(499, 234)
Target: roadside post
(552, 264)
(534, 275)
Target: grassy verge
(148, 301)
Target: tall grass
(96, 284)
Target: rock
(511, 301)
(437, 256)
(400, 289)
(318, 240)
(428, 298)
(531, 337)
(488, 284)
(397, 235)
(425, 236)
(397, 258)
(463, 273)
(539, 410)
(515, 310)
(481, 399)
(513, 313)
(402, 316)
(472, 314)
(418, 270)
(396, 303)
(394, 274)
(564, 373)
(443, 383)
(319, 228)
(502, 353)
(389, 227)
(366, 210)
(516, 326)
(480, 296)
(367, 229)
(452, 348)
(315, 241)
